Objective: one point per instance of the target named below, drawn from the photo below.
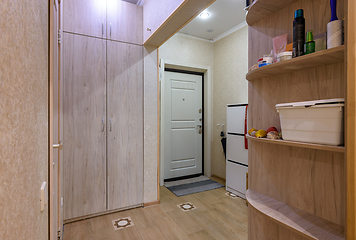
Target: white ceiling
(224, 15)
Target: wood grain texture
(261, 33)
(295, 219)
(54, 182)
(312, 180)
(261, 9)
(351, 121)
(299, 144)
(217, 217)
(325, 57)
(259, 225)
(125, 124)
(124, 22)
(323, 82)
(87, 17)
(173, 19)
(84, 105)
(155, 12)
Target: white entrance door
(183, 119)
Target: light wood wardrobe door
(124, 22)
(87, 17)
(84, 140)
(125, 124)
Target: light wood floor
(217, 217)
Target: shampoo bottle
(298, 33)
(310, 43)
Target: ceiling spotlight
(204, 15)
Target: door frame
(207, 110)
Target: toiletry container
(319, 121)
(298, 33)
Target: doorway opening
(185, 124)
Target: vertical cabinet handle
(110, 125)
(102, 28)
(102, 126)
(110, 29)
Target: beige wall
(150, 124)
(230, 86)
(187, 50)
(187, 53)
(162, 10)
(228, 60)
(23, 118)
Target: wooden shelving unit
(321, 58)
(299, 144)
(294, 192)
(295, 219)
(263, 8)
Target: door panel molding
(178, 66)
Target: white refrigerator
(236, 149)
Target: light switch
(43, 195)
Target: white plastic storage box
(318, 121)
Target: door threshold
(183, 177)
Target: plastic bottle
(298, 33)
(310, 43)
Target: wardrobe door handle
(110, 29)
(103, 126)
(110, 124)
(102, 28)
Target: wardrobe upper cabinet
(84, 122)
(125, 124)
(124, 22)
(87, 17)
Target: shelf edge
(338, 232)
(340, 149)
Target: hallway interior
(216, 216)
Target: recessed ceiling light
(204, 15)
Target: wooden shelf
(324, 57)
(264, 8)
(295, 219)
(299, 144)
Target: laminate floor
(207, 215)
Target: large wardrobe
(102, 107)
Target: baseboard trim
(241, 195)
(100, 214)
(221, 178)
(148, 204)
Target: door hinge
(59, 234)
(59, 36)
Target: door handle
(59, 145)
(102, 125)
(110, 29)
(110, 124)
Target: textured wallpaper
(187, 50)
(230, 86)
(150, 124)
(23, 118)
(228, 59)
